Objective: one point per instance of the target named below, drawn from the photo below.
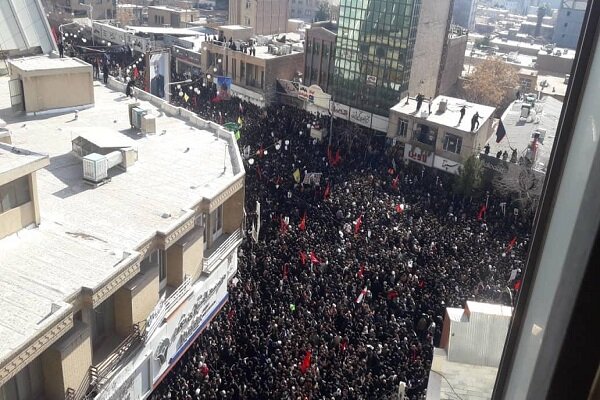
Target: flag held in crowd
(361, 296)
(399, 208)
(357, 224)
(313, 258)
(481, 212)
(296, 175)
(302, 257)
(327, 191)
(511, 244)
(305, 364)
(302, 225)
(361, 271)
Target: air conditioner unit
(137, 114)
(95, 167)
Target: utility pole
(331, 120)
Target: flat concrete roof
(556, 85)
(518, 131)
(448, 380)
(46, 63)
(448, 118)
(13, 158)
(85, 232)
(164, 31)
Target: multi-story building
(173, 17)
(568, 23)
(431, 46)
(463, 13)
(96, 9)
(319, 54)
(454, 60)
(435, 136)
(108, 274)
(254, 74)
(374, 53)
(266, 17)
(303, 9)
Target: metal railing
(97, 375)
(164, 306)
(209, 263)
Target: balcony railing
(97, 375)
(223, 249)
(156, 318)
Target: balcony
(220, 249)
(165, 305)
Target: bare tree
(493, 83)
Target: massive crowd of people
(344, 293)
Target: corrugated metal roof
(23, 25)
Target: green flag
(238, 135)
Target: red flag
(305, 364)
(259, 172)
(338, 158)
(399, 208)
(392, 294)
(511, 244)
(327, 191)
(283, 227)
(344, 345)
(391, 171)
(302, 225)
(361, 296)
(285, 271)
(518, 285)
(357, 224)
(329, 155)
(395, 182)
(302, 257)
(313, 258)
(482, 210)
(230, 314)
(261, 151)
(361, 271)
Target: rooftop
(174, 9)
(46, 63)
(164, 31)
(556, 85)
(450, 117)
(12, 159)
(519, 131)
(86, 232)
(448, 380)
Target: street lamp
(91, 8)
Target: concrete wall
(271, 17)
(283, 67)
(65, 364)
(43, 93)
(233, 212)
(453, 67)
(319, 63)
(16, 219)
(429, 47)
(568, 27)
(185, 257)
(548, 63)
(135, 301)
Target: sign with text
(446, 165)
(418, 155)
(340, 110)
(318, 97)
(361, 117)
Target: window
(566, 24)
(157, 259)
(452, 143)
(216, 222)
(425, 134)
(402, 127)
(14, 194)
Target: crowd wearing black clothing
(371, 223)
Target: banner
(303, 92)
(446, 165)
(160, 74)
(340, 110)
(361, 117)
(318, 97)
(312, 178)
(224, 87)
(418, 155)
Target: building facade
(454, 60)
(97, 9)
(266, 17)
(433, 136)
(431, 46)
(173, 17)
(374, 53)
(568, 23)
(254, 76)
(319, 55)
(463, 13)
(303, 9)
(108, 299)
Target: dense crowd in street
(343, 295)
